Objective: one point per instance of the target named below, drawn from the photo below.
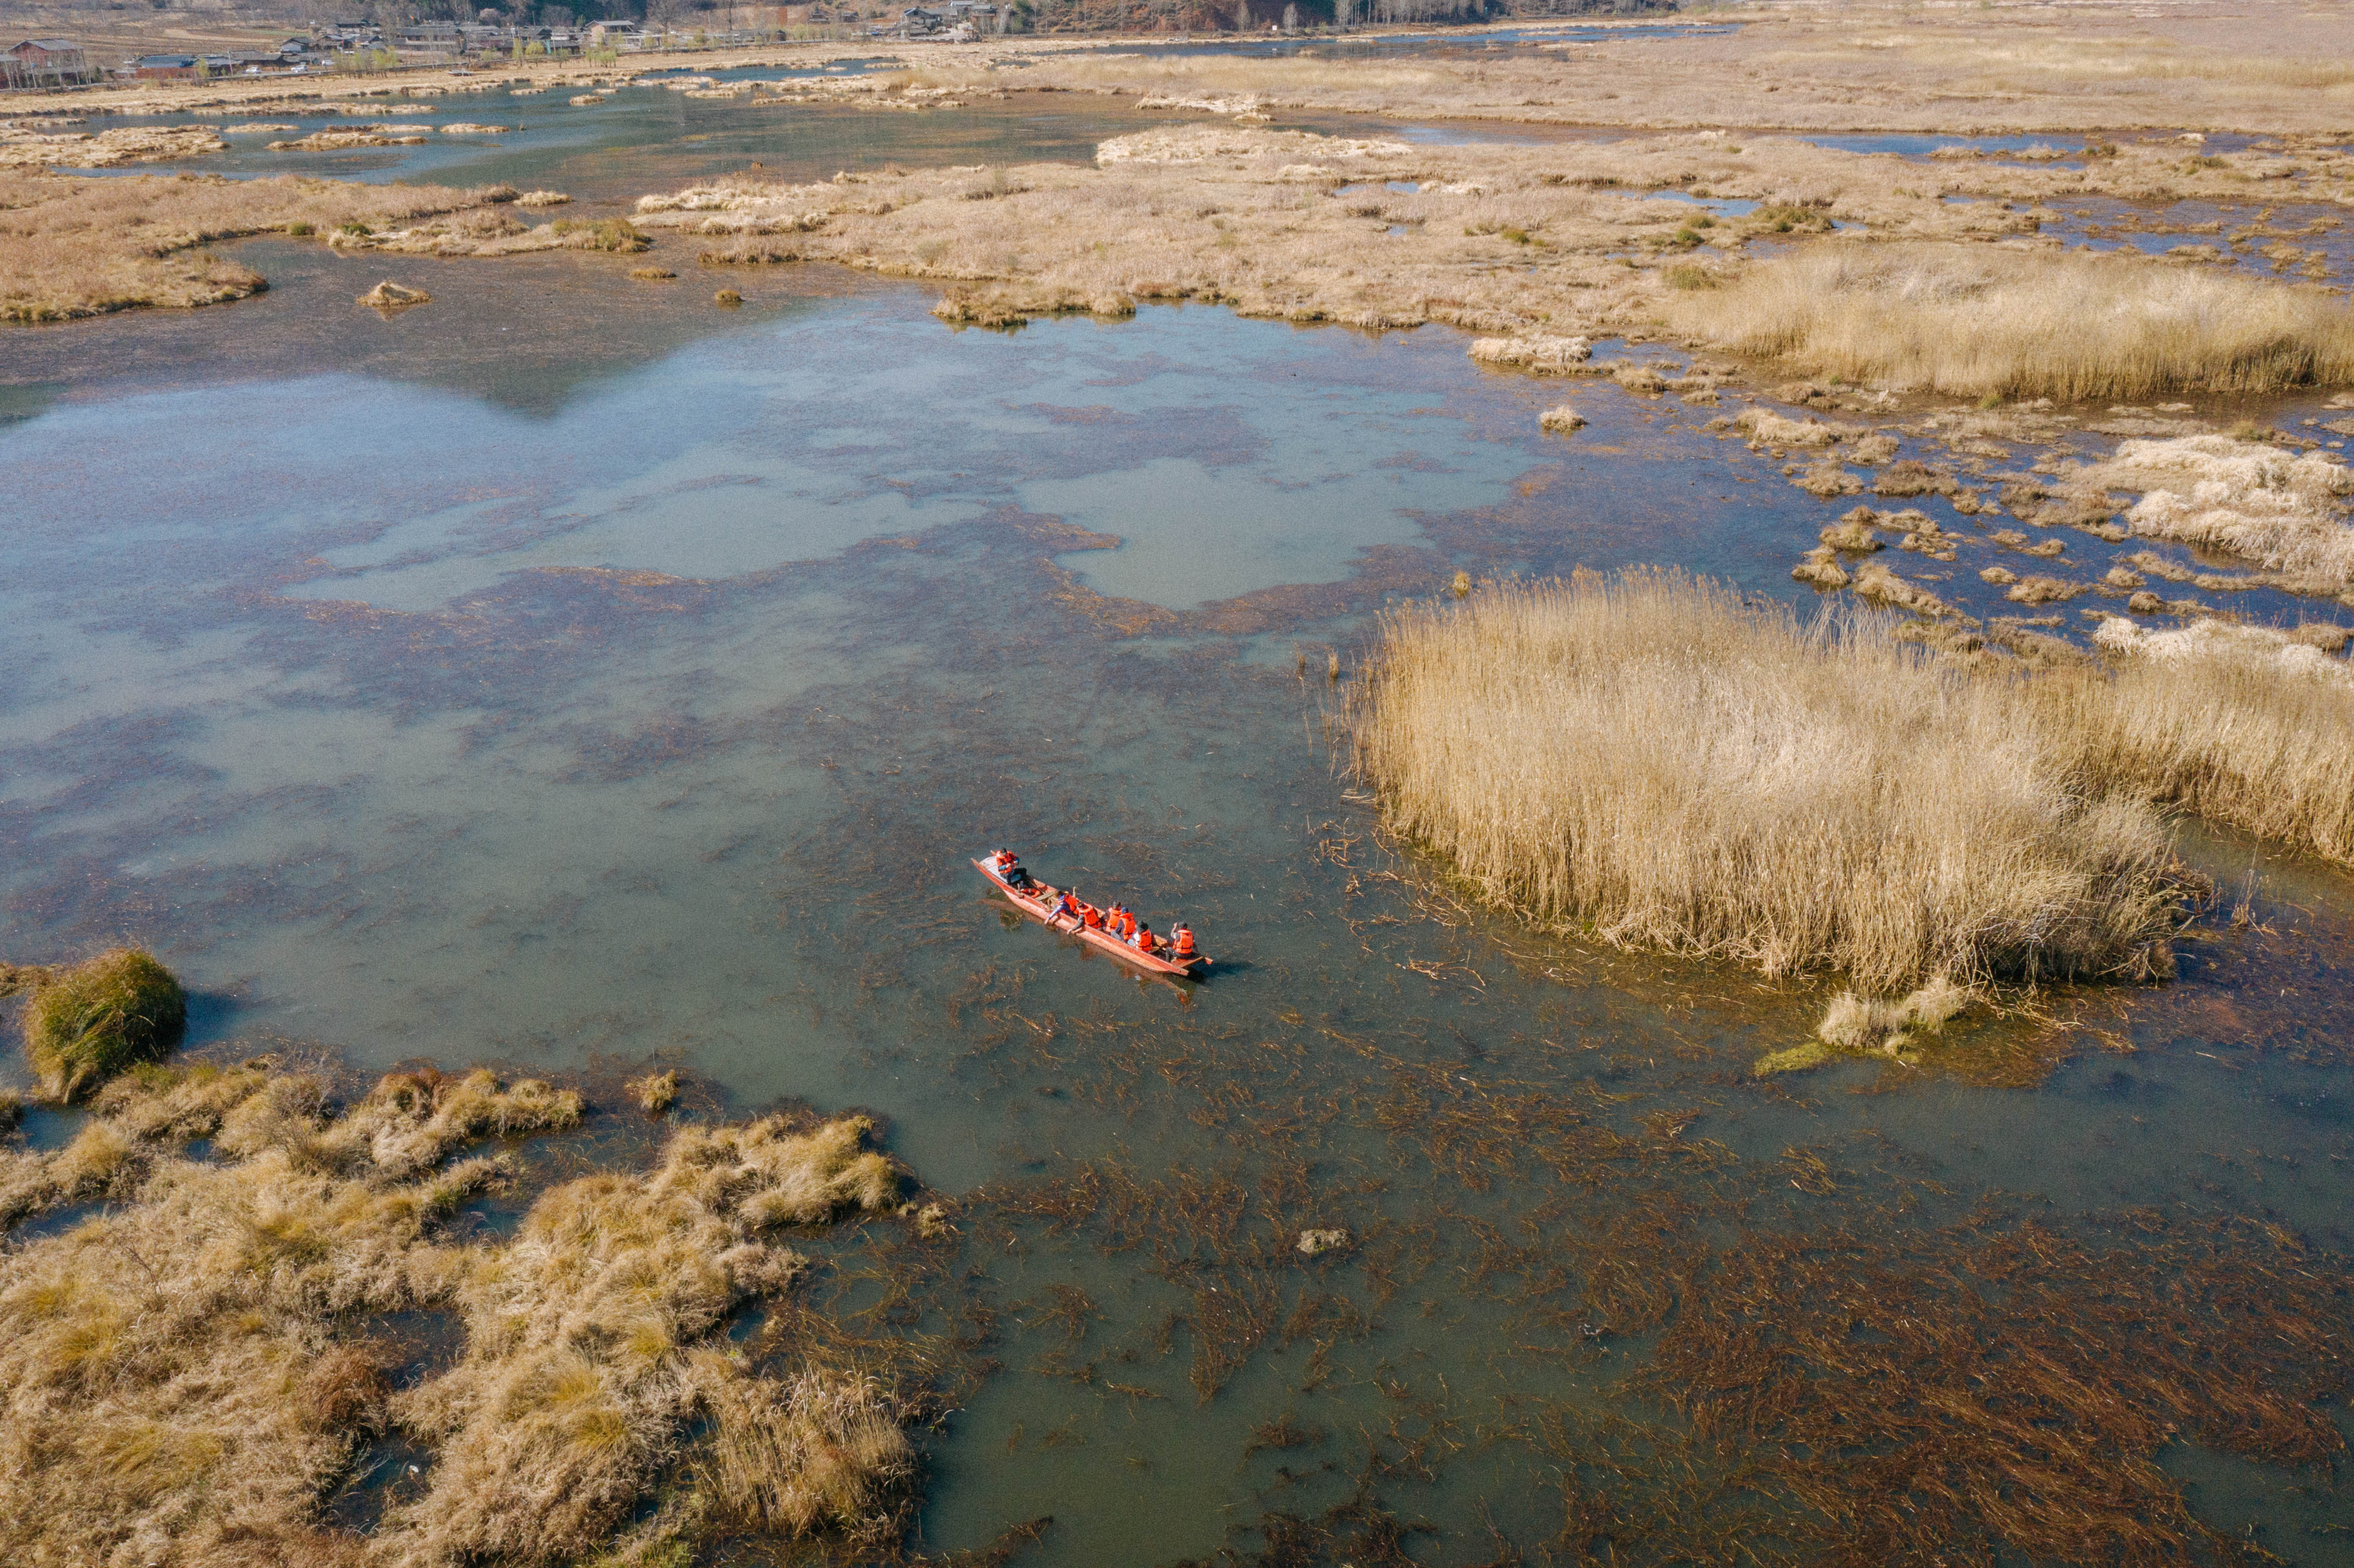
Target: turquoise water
(534, 679)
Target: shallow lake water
(638, 138)
(573, 672)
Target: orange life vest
(1128, 925)
(1184, 942)
(1091, 915)
(1143, 938)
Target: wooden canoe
(1042, 911)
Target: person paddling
(1065, 907)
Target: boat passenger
(1016, 873)
(1142, 941)
(1065, 907)
(1128, 923)
(1181, 942)
(1092, 916)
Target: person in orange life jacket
(1092, 916)
(1115, 919)
(1128, 923)
(1142, 941)
(1065, 907)
(1181, 944)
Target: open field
(2275, 68)
(114, 33)
(2272, 67)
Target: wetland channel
(571, 672)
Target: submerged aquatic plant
(85, 1024)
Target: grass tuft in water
(85, 1024)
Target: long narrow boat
(1040, 910)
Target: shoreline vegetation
(190, 1373)
(1658, 762)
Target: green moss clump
(85, 1024)
(1795, 1059)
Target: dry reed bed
(73, 248)
(105, 149)
(1974, 321)
(1556, 241)
(83, 247)
(2245, 726)
(1495, 237)
(188, 1374)
(1306, 227)
(1651, 758)
(1653, 761)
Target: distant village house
(45, 62)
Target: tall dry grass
(2246, 726)
(1972, 321)
(1652, 760)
